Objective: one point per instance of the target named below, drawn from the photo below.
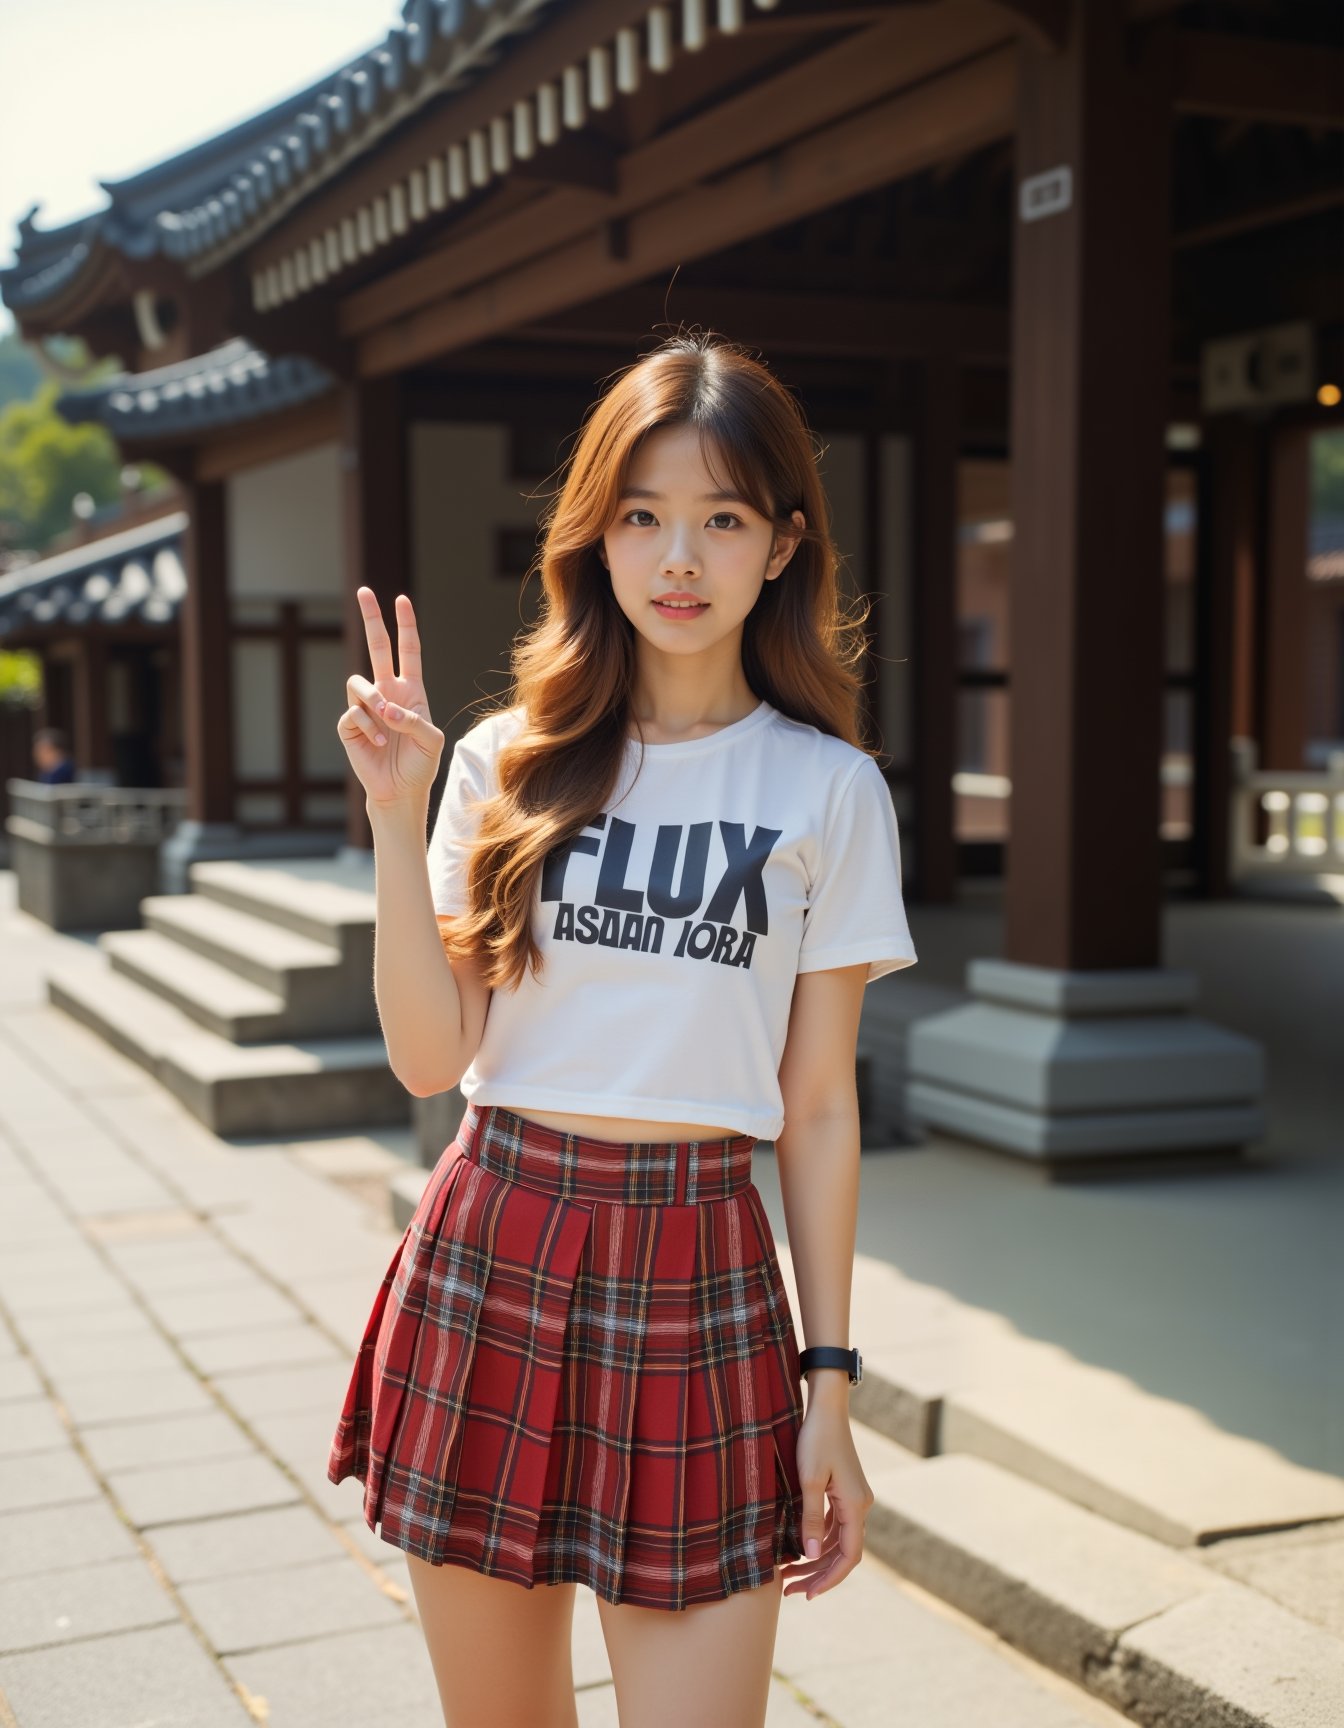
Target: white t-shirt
(674, 925)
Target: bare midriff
(624, 1127)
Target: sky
(94, 90)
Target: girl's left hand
(828, 1466)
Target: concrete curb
(1155, 1635)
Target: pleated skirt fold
(581, 1366)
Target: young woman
(659, 879)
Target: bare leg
(500, 1652)
(708, 1664)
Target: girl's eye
(724, 515)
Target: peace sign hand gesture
(393, 745)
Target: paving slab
(1148, 1462)
(18, 1378)
(217, 1486)
(160, 1676)
(112, 1396)
(245, 1302)
(76, 1353)
(377, 1679)
(53, 1478)
(284, 1391)
(255, 1610)
(31, 1426)
(83, 1602)
(223, 1352)
(1228, 1659)
(55, 1538)
(286, 1537)
(166, 1440)
(1302, 1570)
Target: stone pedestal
(1084, 1068)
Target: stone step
(213, 996)
(324, 912)
(326, 992)
(1155, 1634)
(942, 1376)
(321, 1083)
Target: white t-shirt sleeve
(855, 910)
(455, 827)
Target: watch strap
(832, 1356)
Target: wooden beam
(1253, 78)
(1266, 216)
(792, 323)
(1044, 22)
(838, 80)
(268, 439)
(907, 132)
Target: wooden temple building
(1058, 282)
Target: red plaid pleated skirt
(581, 1366)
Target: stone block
(31, 1426)
(315, 1600)
(160, 1676)
(225, 1352)
(377, 1679)
(281, 1391)
(1228, 1658)
(209, 1489)
(166, 1440)
(1053, 1579)
(54, 1538)
(120, 1397)
(249, 1302)
(285, 1537)
(79, 1603)
(53, 1478)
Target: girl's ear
(786, 544)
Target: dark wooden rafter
(837, 80)
(789, 322)
(1045, 22)
(1252, 78)
(968, 106)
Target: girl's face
(677, 534)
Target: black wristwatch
(832, 1356)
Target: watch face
(858, 1367)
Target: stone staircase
(250, 998)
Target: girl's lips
(683, 611)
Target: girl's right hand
(393, 745)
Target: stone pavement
(178, 1317)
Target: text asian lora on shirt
(674, 926)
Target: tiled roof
(137, 575)
(231, 383)
(245, 178)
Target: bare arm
(419, 1005)
(817, 1156)
(395, 748)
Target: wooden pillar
(90, 742)
(934, 627)
(1284, 734)
(206, 660)
(376, 533)
(1090, 380)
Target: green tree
(44, 464)
(20, 373)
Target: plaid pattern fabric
(581, 1365)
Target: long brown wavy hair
(574, 668)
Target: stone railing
(1301, 831)
(100, 815)
(85, 855)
